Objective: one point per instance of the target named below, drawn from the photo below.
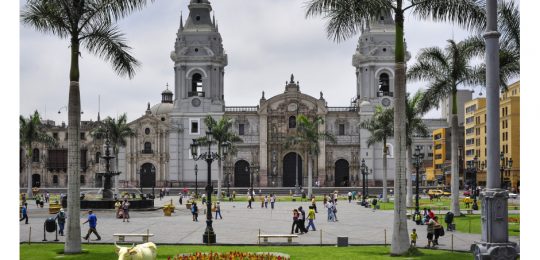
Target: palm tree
(90, 25)
(309, 134)
(381, 127)
(117, 131)
(221, 133)
(348, 17)
(509, 50)
(445, 70)
(31, 132)
(415, 125)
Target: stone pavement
(241, 225)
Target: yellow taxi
(434, 192)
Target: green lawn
(442, 204)
(471, 224)
(51, 251)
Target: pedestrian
(325, 200)
(234, 195)
(349, 195)
(295, 220)
(250, 198)
(61, 219)
(266, 201)
(204, 198)
(438, 230)
(24, 213)
(374, 202)
(180, 197)
(413, 237)
(92, 223)
(194, 211)
(125, 210)
(430, 232)
(431, 214)
(262, 200)
(218, 211)
(448, 219)
(334, 211)
(272, 200)
(47, 196)
(167, 191)
(313, 204)
(37, 201)
(335, 197)
(329, 206)
(301, 221)
(117, 206)
(311, 218)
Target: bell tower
(199, 67)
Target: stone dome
(161, 108)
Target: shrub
(233, 255)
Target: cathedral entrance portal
(291, 163)
(36, 180)
(341, 173)
(241, 174)
(148, 175)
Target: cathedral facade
(159, 152)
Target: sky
(265, 41)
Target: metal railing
(342, 109)
(195, 94)
(242, 109)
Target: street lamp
(363, 170)
(209, 237)
(473, 169)
(502, 169)
(417, 162)
(196, 183)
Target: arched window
(98, 157)
(83, 180)
(384, 84)
(196, 85)
(147, 147)
(55, 179)
(35, 155)
(292, 122)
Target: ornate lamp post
(196, 182)
(209, 237)
(417, 162)
(363, 170)
(502, 170)
(473, 169)
(509, 168)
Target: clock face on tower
(292, 107)
(196, 102)
(386, 102)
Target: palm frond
(106, 41)
(46, 17)
(466, 13)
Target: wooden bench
(288, 236)
(122, 237)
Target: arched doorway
(148, 175)
(291, 163)
(341, 173)
(36, 180)
(241, 174)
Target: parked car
(512, 195)
(435, 192)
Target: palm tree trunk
(310, 176)
(73, 238)
(29, 177)
(455, 167)
(385, 174)
(409, 177)
(400, 237)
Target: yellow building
(441, 140)
(475, 139)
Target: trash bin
(50, 225)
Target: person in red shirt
(431, 214)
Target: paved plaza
(241, 225)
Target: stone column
(494, 244)
(263, 151)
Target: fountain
(107, 193)
(108, 199)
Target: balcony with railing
(196, 94)
(385, 94)
(147, 151)
(242, 109)
(342, 109)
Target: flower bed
(513, 219)
(233, 255)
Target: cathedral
(159, 154)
